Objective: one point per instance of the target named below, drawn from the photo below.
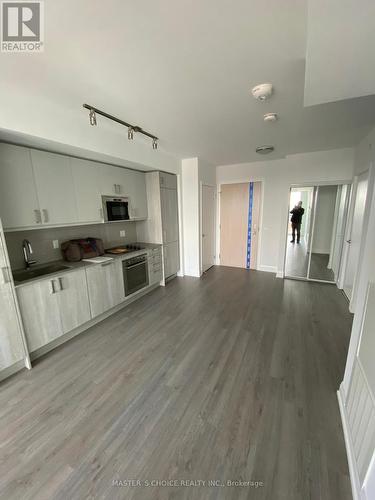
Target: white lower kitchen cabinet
(171, 259)
(40, 312)
(73, 300)
(106, 286)
(53, 306)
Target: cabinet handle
(61, 284)
(6, 276)
(45, 215)
(38, 217)
(52, 284)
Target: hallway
(232, 376)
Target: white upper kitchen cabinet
(19, 205)
(117, 181)
(87, 184)
(55, 187)
(112, 180)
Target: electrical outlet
(55, 243)
(122, 233)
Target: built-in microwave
(115, 209)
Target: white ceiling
(340, 50)
(182, 70)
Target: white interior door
(208, 226)
(354, 241)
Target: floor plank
(228, 377)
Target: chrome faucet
(27, 253)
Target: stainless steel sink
(28, 274)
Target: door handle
(38, 217)
(45, 215)
(6, 275)
(61, 284)
(348, 241)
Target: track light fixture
(131, 128)
(92, 117)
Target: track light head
(130, 133)
(154, 144)
(92, 117)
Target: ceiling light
(262, 91)
(264, 150)
(270, 117)
(154, 144)
(130, 133)
(92, 117)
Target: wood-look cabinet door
(19, 206)
(87, 184)
(106, 286)
(171, 259)
(55, 187)
(169, 213)
(73, 300)
(40, 312)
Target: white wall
(277, 177)
(352, 398)
(190, 215)
(324, 215)
(194, 172)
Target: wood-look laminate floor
(231, 377)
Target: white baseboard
(353, 471)
(267, 269)
(280, 274)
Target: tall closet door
(239, 224)
(234, 203)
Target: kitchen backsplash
(41, 240)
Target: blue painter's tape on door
(249, 224)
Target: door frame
(201, 184)
(370, 173)
(315, 184)
(260, 230)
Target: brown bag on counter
(75, 250)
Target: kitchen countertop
(73, 266)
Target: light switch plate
(55, 243)
(122, 233)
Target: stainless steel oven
(135, 273)
(115, 209)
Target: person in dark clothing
(296, 221)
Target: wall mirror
(316, 227)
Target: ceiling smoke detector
(262, 91)
(270, 117)
(264, 150)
